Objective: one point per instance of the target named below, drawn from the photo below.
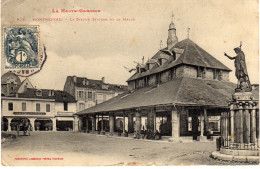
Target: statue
(241, 71)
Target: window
(81, 106)
(10, 106)
(48, 107)
(23, 106)
(160, 61)
(65, 106)
(201, 72)
(90, 96)
(80, 94)
(38, 107)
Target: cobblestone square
(77, 149)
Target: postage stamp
(21, 49)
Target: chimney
(25, 88)
(50, 92)
(103, 79)
(75, 79)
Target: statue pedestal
(239, 130)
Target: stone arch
(43, 124)
(16, 120)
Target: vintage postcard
(129, 83)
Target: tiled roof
(59, 96)
(181, 91)
(97, 84)
(192, 55)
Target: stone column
(206, 121)
(130, 123)
(201, 124)
(54, 124)
(154, 121)
(102, 125)
(76, 124)
(111, 124)
(93, 120)
(80, 123)
(246, 126)
(32, 120)
(138, 123)
(123, 122)
(9, 123)
(202, 137)
(232, 122)
(87, 129)
(175, 126)
(150, 120)
(253, 125)
(240, 124)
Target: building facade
(89, 92)
(180, 92)
(46, 109)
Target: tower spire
(161, 44)
(172, 16)
(172, 38)
(188, 32)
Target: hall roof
(192, 55)
(182, 91)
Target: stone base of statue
(239, 130)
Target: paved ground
(68, 148)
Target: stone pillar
(80, 123)
(206, 121)
(253, 125)
(102, 125)
(150, 120)
(232, 122)
(111, 124)
(87, 129)
(97, 123)
(175, 126)
(201, 124)
(32, 120)
(54, 124)
(138, 123)
(9, 123)
(240, 124)
(76, 124)
(93, 120)
(130, 123)
(202, 137)
(154, 121)
(246, 125)
(123, 122)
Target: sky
(96, 49)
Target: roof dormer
(38, 92)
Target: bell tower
(172, 38)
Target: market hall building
(181, 92)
